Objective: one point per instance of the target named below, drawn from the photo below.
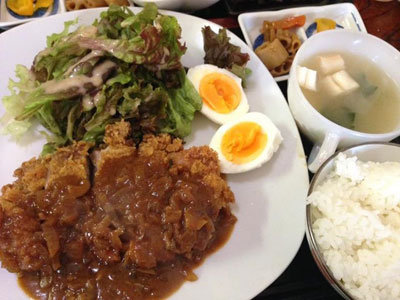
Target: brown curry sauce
(132, 226)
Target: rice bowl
(353, 217)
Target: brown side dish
(279, 48)
(124, 222)
(83, 4)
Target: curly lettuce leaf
(241, 72)
(219, 51)
(130, 51)
(223, 54)
(96, 134)
(147, 85)
(20, 91)
(65, 51)
(110, 22)
(53, 142)
(142, 104)
(145, 17)
(146, 38)
(137, 98)
(56, 37)
(106, 107)
(156, 46)
(20, 96)
(121, 78)
(46, 118)
(181, 108)
(16, 128)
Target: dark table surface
(302, 279)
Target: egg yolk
(243, 142)
(220, 92)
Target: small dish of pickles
(275, 36)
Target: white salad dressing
(85, 32)
(96, 98)
(79, 81)
(87, 57)
(87, 102)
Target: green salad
(123, 66)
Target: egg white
(274, 139)
(195, 75)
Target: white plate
(270, 200)
(344, 14)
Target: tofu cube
(311, 80)
(307, 78)
(331, 63)
(329, 87)
(345, 81)
(301, 75)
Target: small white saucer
(345, 15)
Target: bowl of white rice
(353, 221)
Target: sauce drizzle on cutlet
(122, 223)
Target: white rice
(356, 213)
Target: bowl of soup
(343, 90)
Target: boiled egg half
(221, 91)
(246, 143)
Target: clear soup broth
(373, 107)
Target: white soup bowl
(326, 135)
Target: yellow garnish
(27, 7)
(21, 7)
(325, 24)
(43, 4)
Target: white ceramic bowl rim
(312, 243)
(327, 34)
(185, 5)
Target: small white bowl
(345, 14)
(326, 135)
(183, 5)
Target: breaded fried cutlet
(124, 220)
